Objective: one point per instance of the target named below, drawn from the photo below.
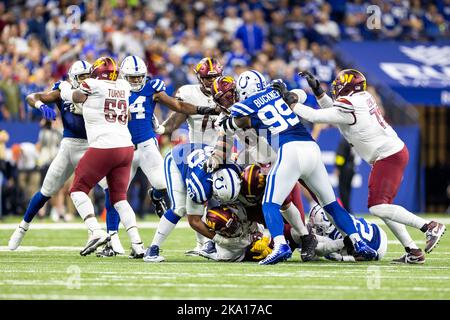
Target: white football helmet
(249, 83)
(134, 70)
(320, 222)
(226, 185)
(78, 68)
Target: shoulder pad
(157, 85)
(344, 103)
(56, 85)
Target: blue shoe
(209, 250)
(280, 253)
(152, 255)
(362, 249)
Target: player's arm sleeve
(330, 115)
(325, 101)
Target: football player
(73, 145)
(145, 93)
(104, 103)
(190, 188)
(264, 109)
(332, 245)
(354, 110)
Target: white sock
(128, 219)
(295, 235)
(279, 240)
(201, 239)
(165, 227)
(24, 225)
(400, 232)
(85, 209)
(398, 214)
(293, 217)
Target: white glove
(159, 129)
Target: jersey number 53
(111, 105)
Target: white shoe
(16, 238)
(99, 237)
(152, 255)
(194, 252)
(137, 251)
(115, 243)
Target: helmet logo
(246, 82)
(222, 184)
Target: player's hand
(158, 128)
(280, 86)
(207, 110)
(211, 164)
(313, 82)
(47, 112)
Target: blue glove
(48, 112)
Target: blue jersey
(142, 107)
(369, 232)
(272, 117)
(189, 159)
(73, 124)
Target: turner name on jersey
(142, 107)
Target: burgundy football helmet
(253, 183)
(347, 82)
(206, 71)
(105, 68)
(224, 91)
(222, 220)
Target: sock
(36, 203)
(24, 225)
(201, 239)
(293, 217)
(128, 219)
(85, 209)
(398, 214)
(279, 240)
(166, 224)
(400, 232)
(112, 216)
(341, 219)
(273, 218)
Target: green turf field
(48, 266)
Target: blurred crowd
(40, 39)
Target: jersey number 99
(278, 117)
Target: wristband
(38, 104)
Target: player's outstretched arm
(39, 101)
(180, 106)
(322, 98)
(329, 115)
(75, 96)
(173, 122)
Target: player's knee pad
(180, 211)
(82, 203)
(384, 211)
(126, 213)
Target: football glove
(282, 89)
(261, 246)
(313, 82)
(47, 112)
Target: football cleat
(193, 252)
(99, 237)
(160, 203)
(208, 250)
(16, 238)
(152, 254)
(115, 243)
(107, 251)
(362, 249)
(137, 251)
(309, 243)
(412, 256)
(280, 253)
(433, 234)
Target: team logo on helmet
(347, 82)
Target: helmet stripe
(259, 77)
(114, 74)
(84, 64)
(210, 64)
(250, 179)
(219, 215)
(232, 183)
(135, 63)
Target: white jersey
(371, 136)
(105, 113)
(201, 127)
